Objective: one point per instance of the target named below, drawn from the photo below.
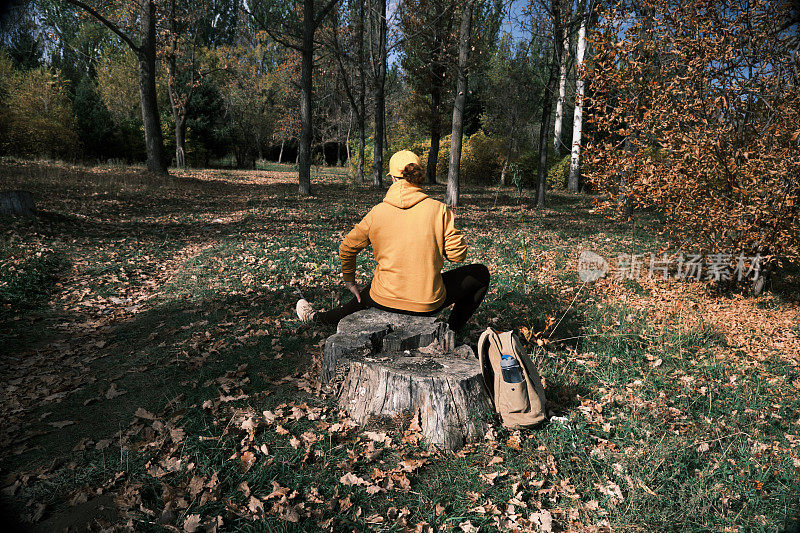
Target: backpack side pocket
(513, 397)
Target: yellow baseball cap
(399, 161)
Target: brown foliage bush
(695, 111)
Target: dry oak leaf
(467, 527)
(374, 519)
(248, 459)
(611, 489)
(113, 392)
(380, 438)
(192, 523)
(196, 486)
(255, 505)
(374, 489)
(144, 413)
(410, 465)
(278, 491)
(490, 477)
(62, 423)
(472, 495)
(351, 479)
(414, 432)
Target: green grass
(689, 427)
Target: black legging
(465, 286)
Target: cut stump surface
(394, 364)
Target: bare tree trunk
(436, 135)
(509, 152)
(562, 91)
(547, 105)
(178, 116)
(180, 141)
(280, 154)
(146, 55)
(306, 94)
(464, 33)
(362, 141)
(574, 181)
(625, 204)
(362, 91)
(379, 70)
(347, 142)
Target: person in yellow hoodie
(411, 236)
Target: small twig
(568, 308)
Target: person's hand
(352, 287)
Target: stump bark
(17, 203)
(391, 364)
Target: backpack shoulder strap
(489, 357)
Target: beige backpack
(517, 393)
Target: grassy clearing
(148, 323)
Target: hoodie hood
(403, 194)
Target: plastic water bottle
(512, 373)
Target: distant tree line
(181, 83)
(686, 107)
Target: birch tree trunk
(574, 181)
(562, 92)
(451, 196)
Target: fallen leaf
(351, 479)
(255, 505)
(113, 392)
(248, 459)
(192, 523)
(144, 413)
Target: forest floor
(155, 377)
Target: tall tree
(464, 34)
(280, 21)
(428, 54)
(555, 11)
(183, 75)
(512, 92)
(562, 86)
(145, 50)
(378, 50)
(348, 46)
(574, 182)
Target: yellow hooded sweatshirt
(411, 235)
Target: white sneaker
(305, 310)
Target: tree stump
(17, 203)
(391, 364)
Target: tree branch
(107, 23)
(270, 31)
(324, 13)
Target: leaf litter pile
(155, 378)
